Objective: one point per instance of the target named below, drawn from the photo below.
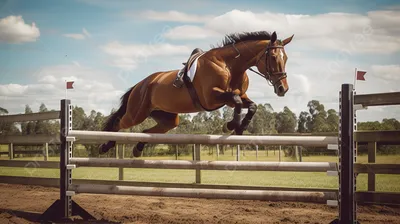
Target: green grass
(390, 183)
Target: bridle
(267, 76)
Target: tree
(332, 121)
(3, 111)
(285, 121)
(318, 116)
(263, 121)
(28, 128)
(7, 127)
(302, 122)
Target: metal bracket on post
(332, 173)
(333, 147)
(71, 166)
(70, 139)
(333, 203)
(359, 107)
(70, 193)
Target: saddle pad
(192, 70)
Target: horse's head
(273, 64)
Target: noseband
(268, 74)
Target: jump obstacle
(65, 207)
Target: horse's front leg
(234, 100)
(252, 109)
(237, 112)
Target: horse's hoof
(103, 149)
(136, 152)
(238, 132)
(225, 128)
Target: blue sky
(96, 44)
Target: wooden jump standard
(65, 207)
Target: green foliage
(266, 121)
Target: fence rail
(383, 137)
(30, 117)
(378, 99)
(30, 164)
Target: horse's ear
(287, 40)
(273, 37)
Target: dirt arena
(23, 204)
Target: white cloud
(127, 56)
(190, 32)
(94, 89)
(355, 33)
(387, 72)
(86, 33)
(78, 36)
(174, 16)
(13, 29)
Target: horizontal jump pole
(55, 182)
(293, 196)
(100, 137)
(206, 165)
(30, 117)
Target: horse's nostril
(281, 89)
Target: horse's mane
(235, 38)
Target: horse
(221, 79)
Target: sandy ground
(23, 204)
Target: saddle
(179, 80)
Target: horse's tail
(115, 117)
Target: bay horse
(220, 80)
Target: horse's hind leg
(129, 114)
(165, 122)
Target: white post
(280, 149)
(256, 152)
(217, 152)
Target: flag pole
(66, 89)
(355, 78)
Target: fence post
(176, 152)
(280, 157)
(196, 157)
(300, 153)
(237, 153)
(11, 151)
(217, 151)
(46, 151)
(371, 159)
(256, 152)
(121, 155)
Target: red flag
(70, 85)
(360, 75)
